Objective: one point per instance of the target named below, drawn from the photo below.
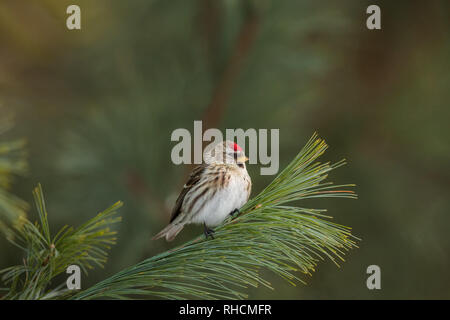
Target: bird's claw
(208, 232)
(235, 212)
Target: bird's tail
(170, 232)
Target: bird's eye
(240, 165)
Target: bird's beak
(242, 159)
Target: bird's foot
(235, 212)
(208, 232)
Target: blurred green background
(98, 105)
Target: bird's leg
(235, 212)
(207, 231)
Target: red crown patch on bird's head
(236, 147)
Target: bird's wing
(194, 178)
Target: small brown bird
(215, 189)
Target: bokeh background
(97, 107)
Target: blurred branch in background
(244, 41)
(225, 76)
(47, 256)
(12, 162)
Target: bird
(215, 189)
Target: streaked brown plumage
(214, 190)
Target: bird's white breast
(217, 208)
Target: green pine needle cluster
(268, 234)
(47, 256)
(12, 162)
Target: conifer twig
(47, 256)
(268, 233)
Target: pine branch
(47, 256)
(267, 234)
